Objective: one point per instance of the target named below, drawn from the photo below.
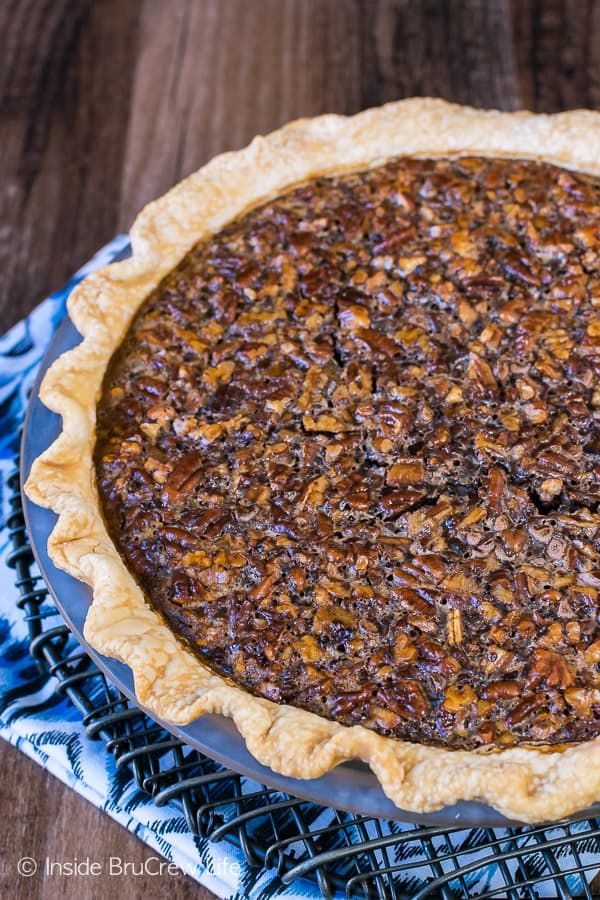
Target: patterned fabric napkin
(47, 728)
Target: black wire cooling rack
(339, 851)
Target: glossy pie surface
(350, 450)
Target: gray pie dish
(350, 786)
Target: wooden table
(105, 105)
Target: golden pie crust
(526, 783)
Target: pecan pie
(344, 476)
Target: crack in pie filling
(349, 448)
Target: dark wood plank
(558, 53)
(460, 51)
(44, 820)
(296, 58)
(104, 105)
(65, 74)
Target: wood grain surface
(104, 105)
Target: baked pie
(330, 458)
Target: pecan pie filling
(350, 450)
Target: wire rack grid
(342, 853)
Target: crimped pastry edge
(524, 783)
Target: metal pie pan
(350, 786)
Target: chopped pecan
(187, 474)
(325, 422)
(502, 690)
(549, 669)
(454, 627)
(220, 374)
(585, 701)
(408, 699)
(529, 705)
(264, 588)
(406, 472)
(378, 342)
(393, 503)
(481, 376)
(412, 600)
(353, 316)
(456, 699)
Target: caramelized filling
(350, 450)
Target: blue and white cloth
(46, 727)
